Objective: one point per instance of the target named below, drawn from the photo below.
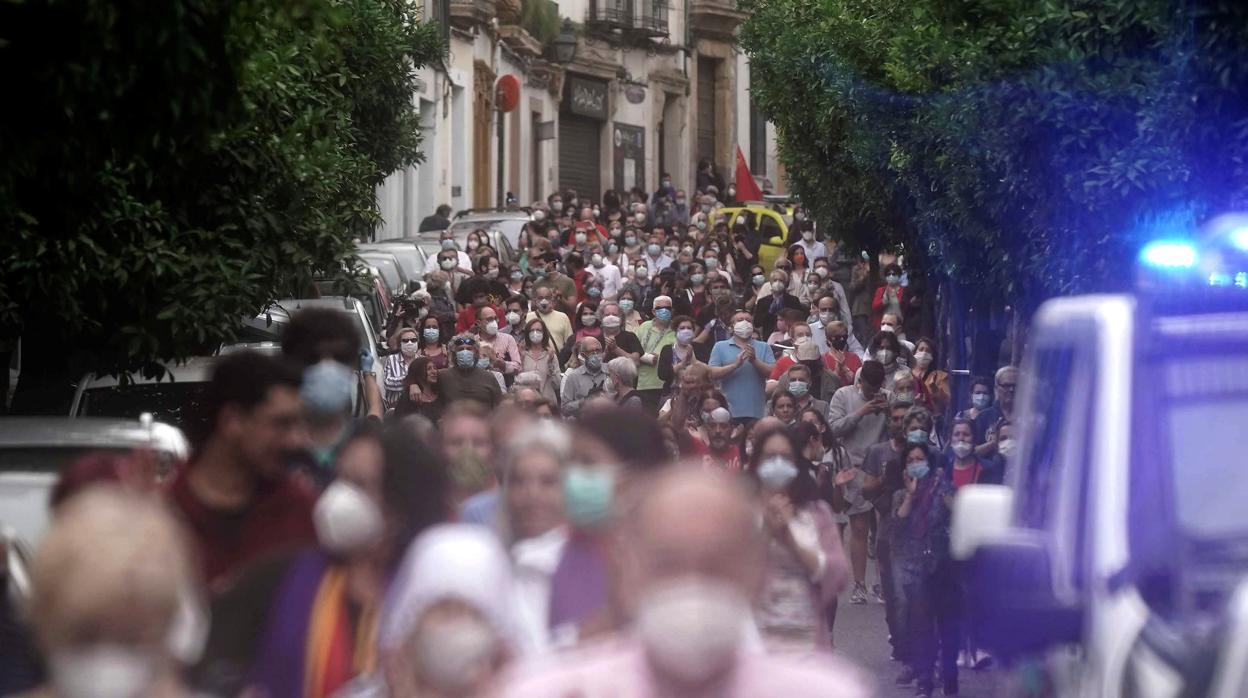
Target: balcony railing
(644, 17)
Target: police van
(1109, 563)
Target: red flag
(747, 188)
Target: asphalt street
(861, 637)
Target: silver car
(34, 450)
(410, 257)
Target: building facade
(650, 86)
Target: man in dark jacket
(440, 220)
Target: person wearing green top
(654, 335)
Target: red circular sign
(507, 93)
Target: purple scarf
(578, 588)
(279, 667)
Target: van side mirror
(981, 514)
(1016, 609)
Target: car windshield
(271, 328)
(47, 459)
(174, 402)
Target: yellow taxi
(770, 225)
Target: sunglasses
(465, 342)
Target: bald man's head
(691, 522)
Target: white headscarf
(465, 562)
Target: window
(769, 228)
(1050, 372)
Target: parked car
(430, 243)
(387, 265)
(1115, 558)
(410, 257)
(271, 324)
(508, 221)
(33, 450)
(174, 398)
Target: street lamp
(565, 43)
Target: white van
(1110, 558)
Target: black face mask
(839, 343)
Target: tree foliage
(171, 167)
(1023, 146)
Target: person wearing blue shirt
(741, 364)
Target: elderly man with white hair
(697, 558)
(622, 379)
(654, 335)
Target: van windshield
(1207, 458)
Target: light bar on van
(1169, 254)
(1239, 238)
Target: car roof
(479, 214)
(79, 432)
(196, 369)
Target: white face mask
(922, 358)
(887, 328)
(777, 286)
(491, 327)
(536, 336)
(743, 329)
(962, 448)
(456, 655)
(409, 349)
(513, 318)
(808, 236)
(102, 671)
(885, 356)
(692, 626)
(1006, 447)
(345, 518)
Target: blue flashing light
(1219, 278)
(1239, 238)
(1241, 279)
(1169, 254)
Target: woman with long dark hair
(420, 393)
(806, 566)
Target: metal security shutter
(706, 109)
(580, 155)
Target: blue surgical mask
(776, 473)
(697, 279)
(594, 362)
(465, 358)
(758, 279)
(663, 314)
(798, 388)
(448, 244)
(684, 336)
(916, 436)
(326, 388)
(483, 364)
(430, 334)
(918, 471)
(587, 495)
(626, 305)
(653, 250)
(517, 275)
(593, 292)
(981, 400)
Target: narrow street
(862, 638)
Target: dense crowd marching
(622, 466)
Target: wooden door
(482, 143)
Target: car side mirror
(981, 514)
(1016, 608)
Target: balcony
(653, 20)
(466, 14)
(632, 18)
(611, 14)
(715, 19)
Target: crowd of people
(633, 463)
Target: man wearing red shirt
(839, 360)
(719, 452)
(236, 497)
